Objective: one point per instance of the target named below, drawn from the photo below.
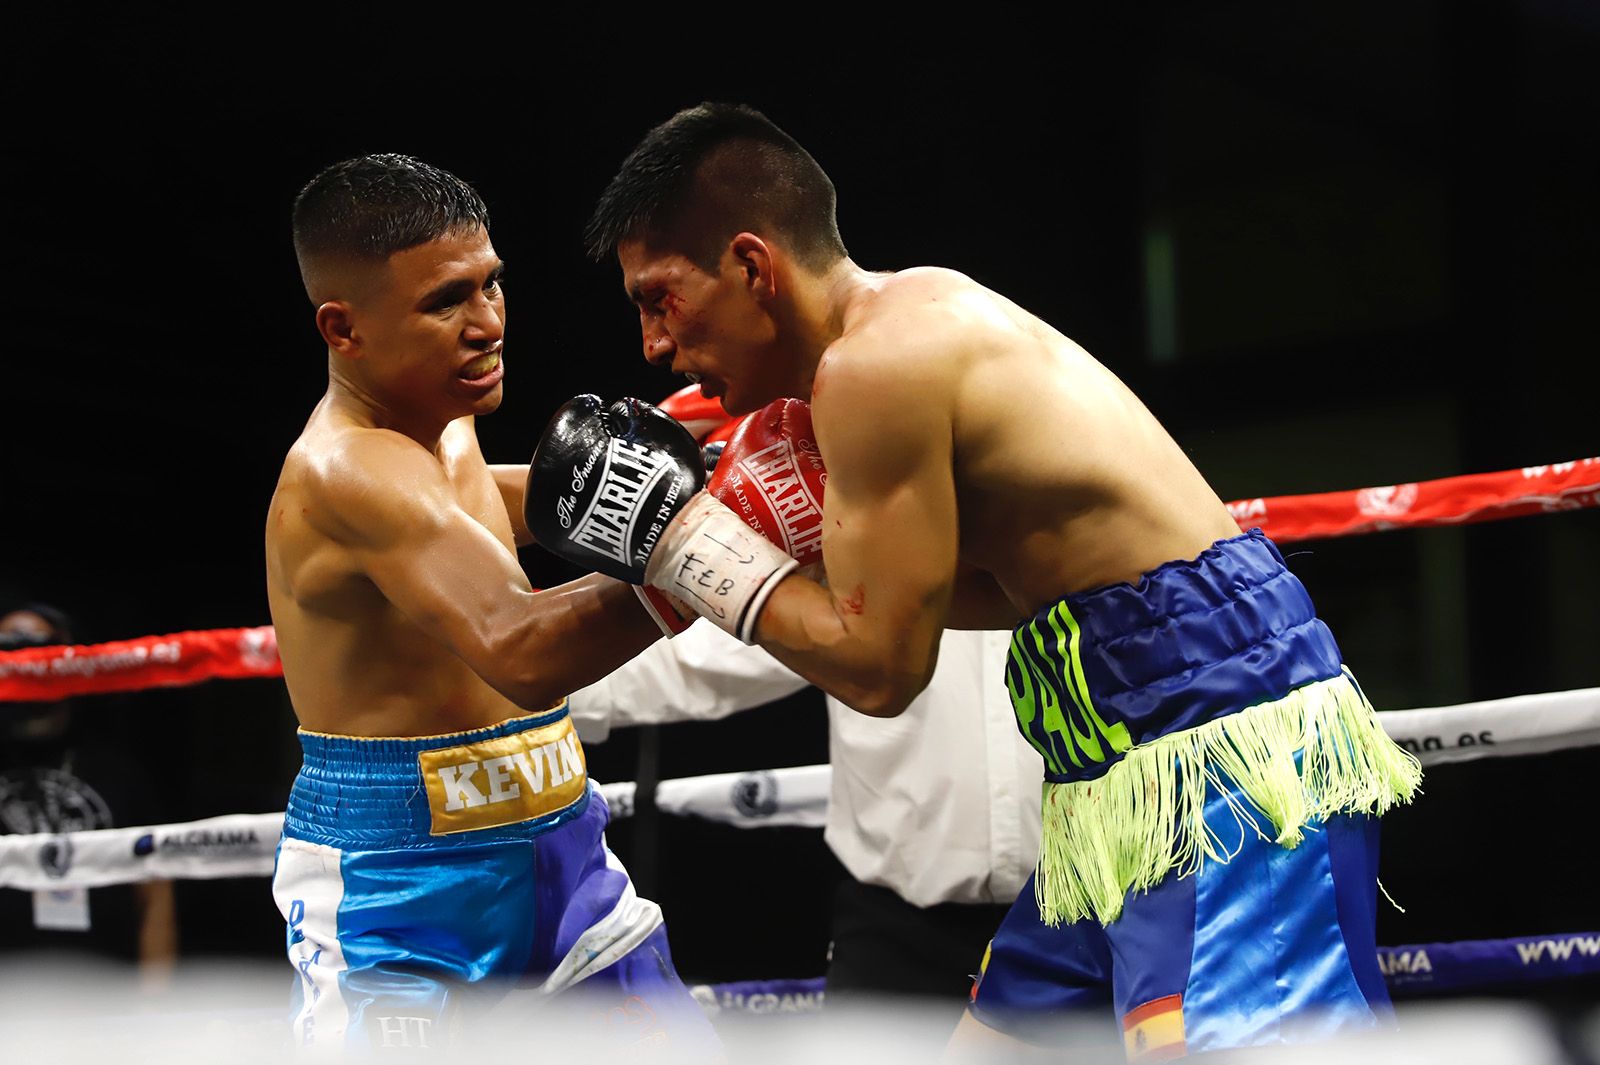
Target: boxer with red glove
(710, 425)
(770, 473)
(614, 488)
(609, 488)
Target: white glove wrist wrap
(711, 560)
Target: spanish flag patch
(1154, 1031)
(983, 967)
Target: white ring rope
(1523, 724)
(245, 844)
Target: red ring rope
(45, 673)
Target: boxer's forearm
(564, 638)
(871, 665)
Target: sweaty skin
(980, 464)
(392, 576)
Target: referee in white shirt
(934, 814)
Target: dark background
(1331, 246)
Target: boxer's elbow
(871, 666)
(521, 674)
(530, 688)
(878, 702)
(884, 687)
(879, 670)
(534, 694)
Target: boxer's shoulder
(459, 441)
(916, 331)
(360, 481)
(922, 303)
(934, 304)
(889, 367)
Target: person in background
(61, 772)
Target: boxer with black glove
(401, 612)
(617, 489)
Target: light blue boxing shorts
(437, 882)
(1213, 778)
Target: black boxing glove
(605, 480)
(617, 489)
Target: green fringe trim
(1145, 817)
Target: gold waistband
(501, 781)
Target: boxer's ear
(753, 258)
(337, 326)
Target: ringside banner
(46, 673)
(233, 845)
(43, 674)
(1461, 500)
(1423, 968)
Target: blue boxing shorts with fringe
(1213, 779)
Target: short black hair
(372, 206)
(735, 164)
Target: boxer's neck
(358, 403)
(819, 307)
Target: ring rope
(43, 673)
(1411, 970)
(244, 844)
(1464, 500)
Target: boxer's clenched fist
(614, 488)
(770, 473)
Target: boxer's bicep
(891, 524)
(451, 577)
(890, 534)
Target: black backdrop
(1331, 248)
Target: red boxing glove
(697, 413)
(771, 475)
